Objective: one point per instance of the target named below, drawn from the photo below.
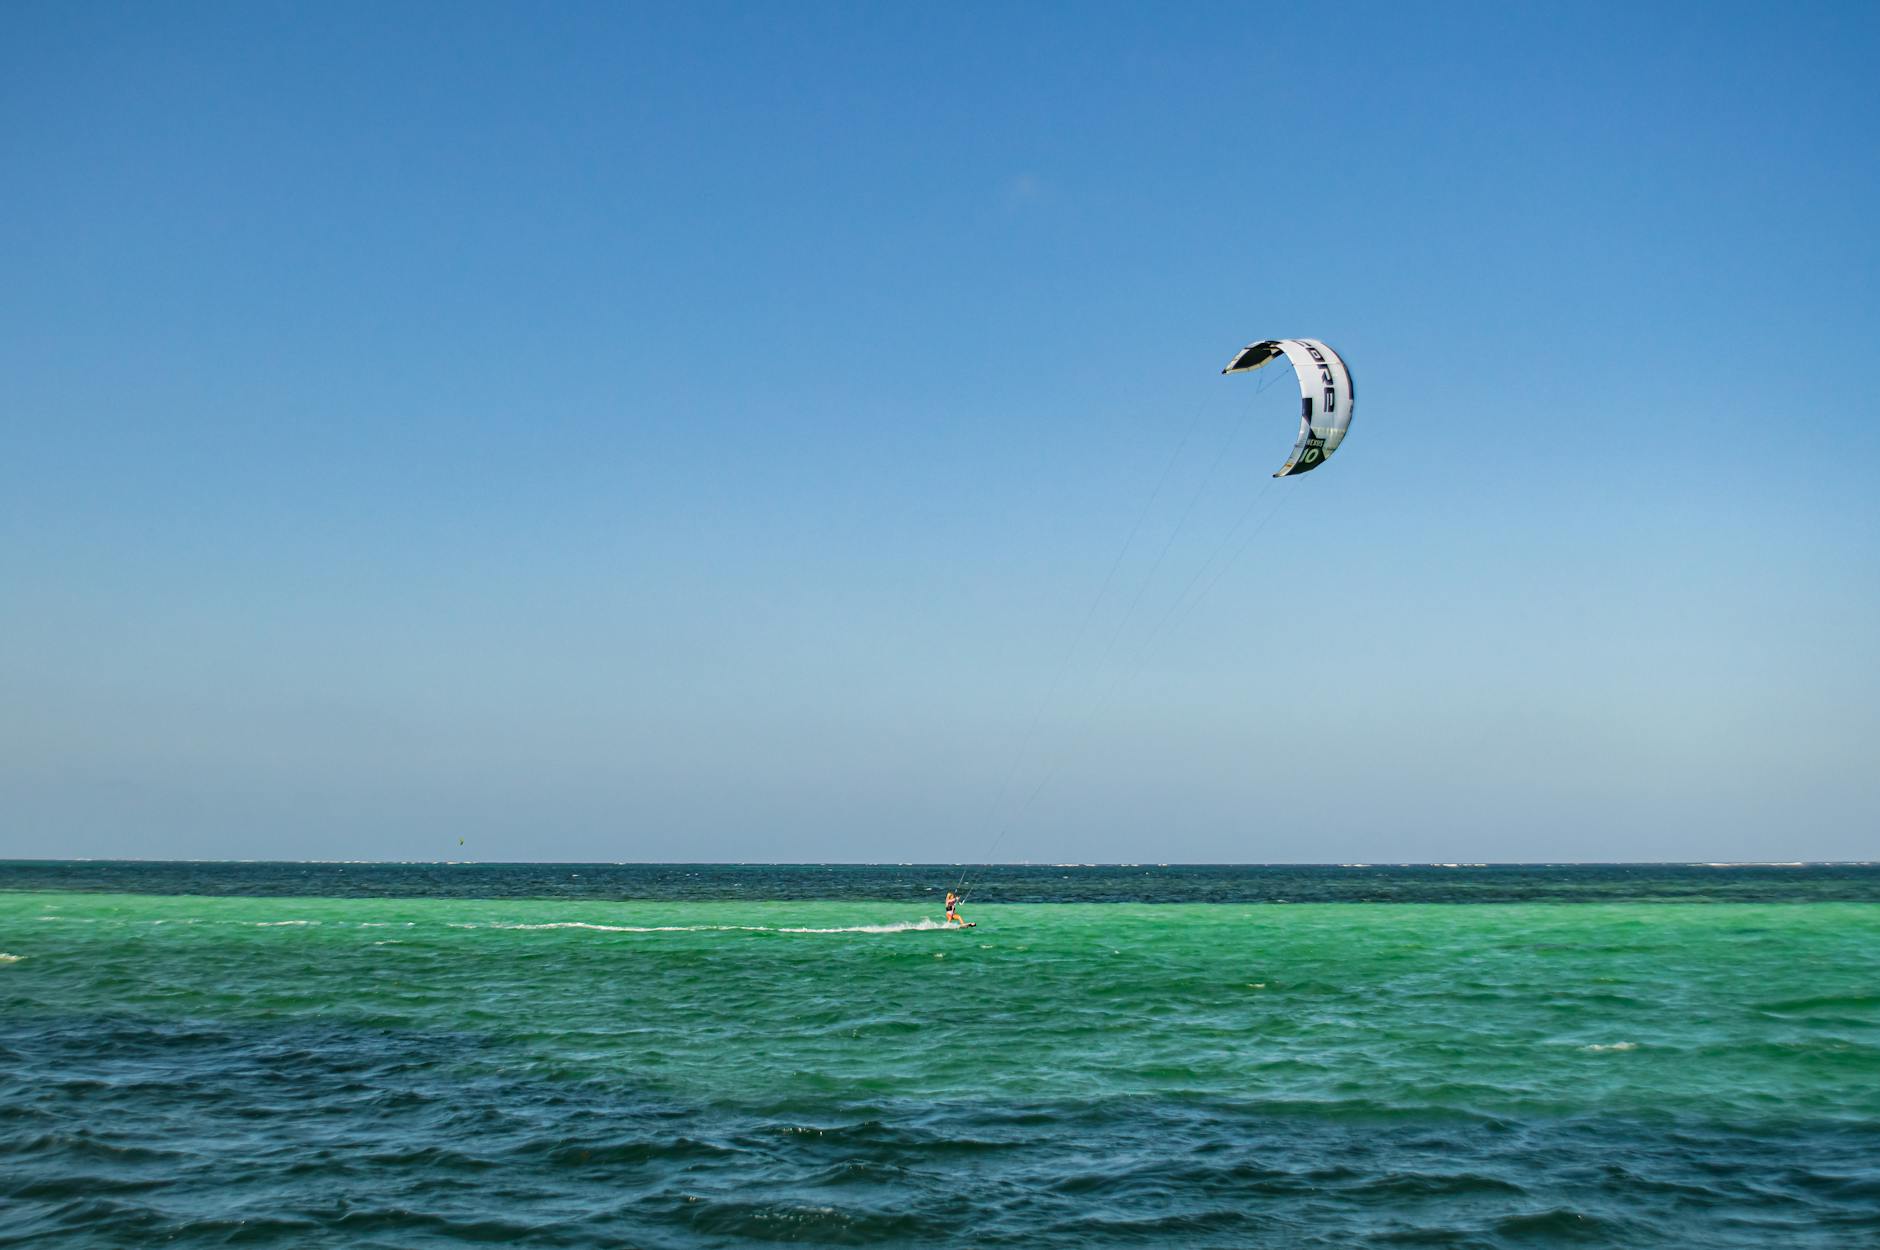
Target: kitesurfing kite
(1325, 395)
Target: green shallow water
(434, 1071)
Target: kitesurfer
(953, 910)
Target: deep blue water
(1001, 883)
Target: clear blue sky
(701, 431)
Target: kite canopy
(1326, 395)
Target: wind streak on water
(409, 1072)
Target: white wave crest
(10, 959)
(904, 926)
(1599, 1046)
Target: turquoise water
(407, 1071)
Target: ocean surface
(740, 1055)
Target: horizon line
(834, 863)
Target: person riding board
(953, 910)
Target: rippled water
(260, 1067)
(999, 883)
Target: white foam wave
(10, 959)
(278, 924)
(906, 926)
(1600, 1046)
